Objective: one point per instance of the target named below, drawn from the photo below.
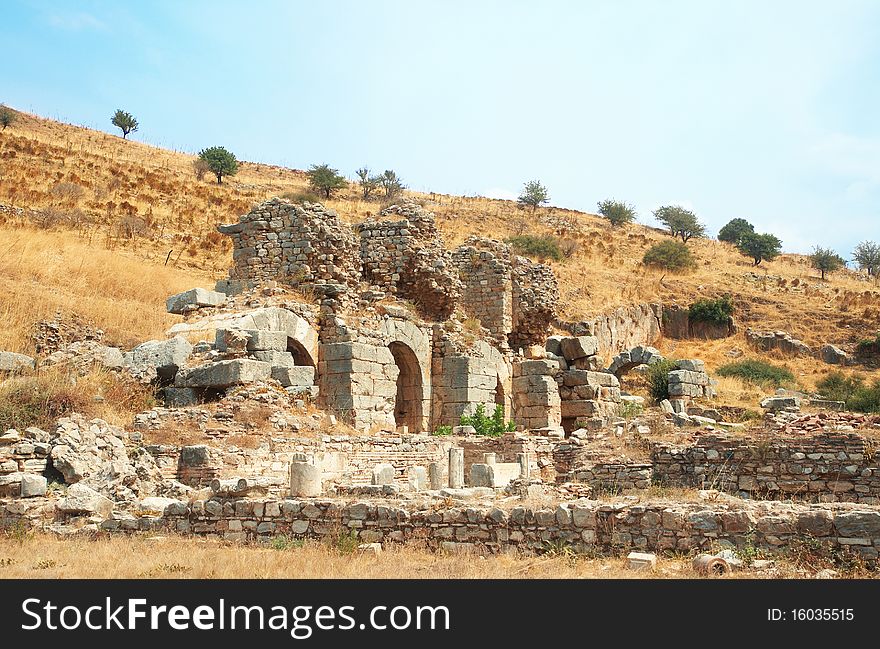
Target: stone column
(489, 458)
(305, 478)
(456, 468)
(435, 476)
(523, 460)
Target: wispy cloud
(75, 22)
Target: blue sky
(768, 111)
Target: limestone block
(641, 561)
(417, 478)
(482, 475)
(223, 374)
(298, 376)
(81, 499)
(158, 358)
(12, 362)
(577, 347)
(275, 358)
(535, 367)
(266, 341)
(192, 299)
(33, 485)
(579, 408)
(692, 364)
(456, 468)
(383, 474)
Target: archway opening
(499, 395)
(408, 402)
(300, 354)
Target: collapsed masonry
(479, 310)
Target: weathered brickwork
(828, 467)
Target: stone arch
(409, 401)
(641, 355)
(412, 345)
(299, 352)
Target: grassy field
(48, 557)
(121, 225)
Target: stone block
(192, 299)
(641, 561)
(180, 397)
(81, 499)
(297, 376)
(305, 480)
(482, 475)
(223, 374)
(383, 474)
(576, 347)
(266, 341)
(33, 485)
(12, 362)
(158, 358)
(275, 359)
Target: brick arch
(411, 347)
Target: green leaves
(759, 246)
(220, 161)
(325, 180)
(534, 195)
(125, 122)
(616, 212)
(681, 222)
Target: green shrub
(757, 372)
(718, 310)
(865, 398)
(657, 378)
(443, 430)
(669, 255)
(543, 247)
(493, 426)
(852, 390)
(869, 346)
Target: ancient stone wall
(828, 467)
(623, 328)
(484, 266)
(536, 394)
(583, 526)
(535, 299)
(300, 245)
(407, 258)
(462, 382)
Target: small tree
(324, 179)
(616, 212)
(681, 222)
(534, 195)
(200, 168)
(125, 122)
(368, 183)
(220, 161)
(826, 260)
(390, 182)
(760, 247)
(735, 230)
(669, 255)
(867, 256)
(7, 117)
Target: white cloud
(75, 22)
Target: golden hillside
(110, 227)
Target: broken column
(456, 468)
(305, 478)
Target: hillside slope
(107, 228)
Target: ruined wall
(343, 459)
(484, 266)
(407, 258)
(827, 467)
(294, 244)
(621, 329)
(583, 526)
(462, 382)
(535, 299)
(536, 402)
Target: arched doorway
(300, 354)
(408, 402)
(499, 395)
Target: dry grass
(119, 291)
(48, 557)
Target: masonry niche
(410, 391)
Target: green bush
(669, 255)
(657, 378)
(852, 390)
(869, 346)
(757, 372)
(837, 386)
(717, 311)
(543, 247)
(493, 426)
(443, 430)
